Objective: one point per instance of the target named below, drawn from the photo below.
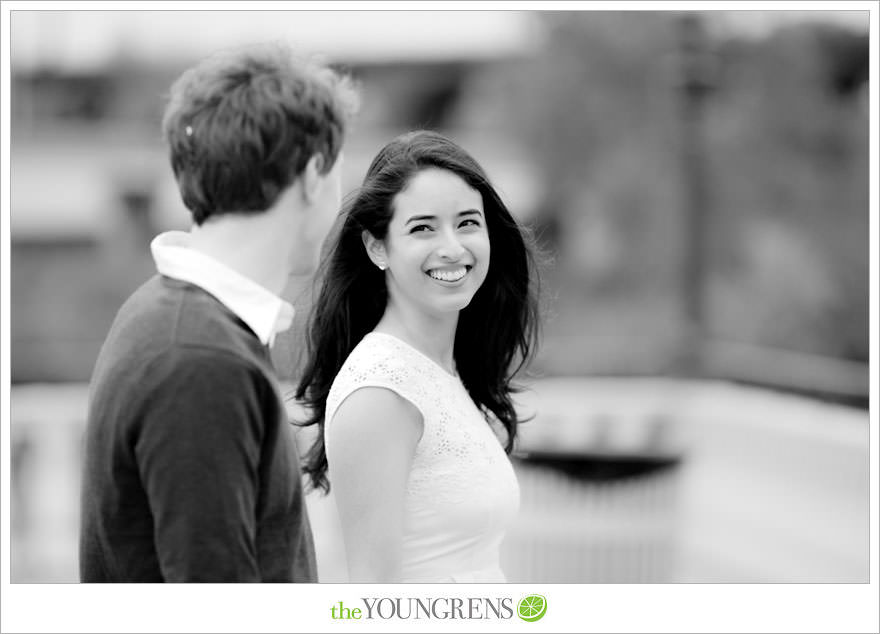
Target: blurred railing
(575, 527)
(622, 480)
(653, 480)
(831, 378)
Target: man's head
(244, 125)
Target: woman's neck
(432, 335)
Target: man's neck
(249, 244)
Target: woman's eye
(420, 228)
(470, 222)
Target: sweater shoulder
(168, 321)
(165, 312)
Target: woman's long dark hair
(497, 332)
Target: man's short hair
(242, 125)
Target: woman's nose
(450, 249)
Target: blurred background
(697, 183)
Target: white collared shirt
(263, 311)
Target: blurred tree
(596, 107)
(790, 157)
(786, 171)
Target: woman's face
(437, 246)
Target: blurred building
(91, 183)
(577, 116)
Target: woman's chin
(452, 304)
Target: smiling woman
(436, 250)
(425, 314)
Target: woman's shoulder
(377, 357)
(378, 361)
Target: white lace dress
(462, 492)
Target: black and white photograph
(492, 301)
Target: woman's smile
(449, 275)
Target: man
(191, 473)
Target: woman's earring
(382, 266)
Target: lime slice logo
(532, 608)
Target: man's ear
(313, 178)
(375, 249)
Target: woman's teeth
(448, 276)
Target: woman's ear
(375, 250)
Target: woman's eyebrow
(418, 218)
(422, 217)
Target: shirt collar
(263, 311)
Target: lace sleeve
(369, 366)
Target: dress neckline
(418, 352)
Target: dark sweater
(191, 473)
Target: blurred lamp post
(695, 80)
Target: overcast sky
(87, 40)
